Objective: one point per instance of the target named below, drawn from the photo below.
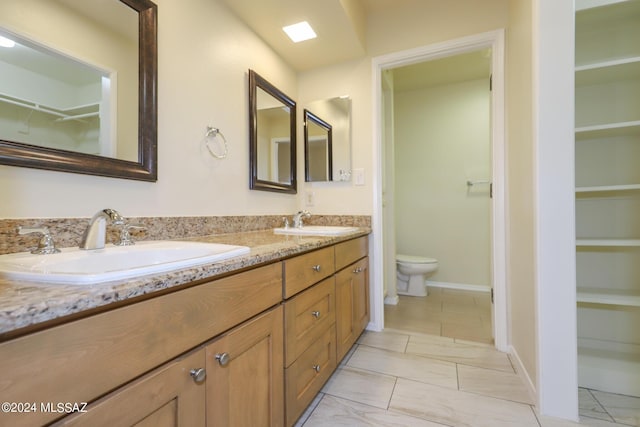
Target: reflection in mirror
(80, 95)
(318, 157)
(337, 112)
(272, 137)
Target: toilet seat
(413, 259)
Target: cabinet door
(352, 304)
(245, 374)
(169, 396)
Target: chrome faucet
(94, 236)
(297, 218)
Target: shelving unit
(607, 137)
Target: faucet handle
(46, 245)
(125, 236)
(285, 221)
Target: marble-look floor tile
(557, 422)
(588, 406)
(470, 332)
(408, 366)
(361, 386)
(623, 409)
(458, 408)
(333, 411)
(468, 354)
(307, 413)
(385, 340)
(489, 382)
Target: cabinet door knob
(316, 267)
(198, 375)
(315, 314)
(223, 359)
(316, 368)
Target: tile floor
(446, 312)
(406, 377)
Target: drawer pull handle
(315, 314)
(198, 375)
(316, 268)
(316, 368)
(358, 270)
(223, 359)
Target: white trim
(553, 33)
(494, 40)
(392, 300)
(522, 373)
(459, 286)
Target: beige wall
(202, 72)
(441, 141)
(520, 170)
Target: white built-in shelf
(608, 71)
(608, 296)
(608, 130)
(608, 242)
(608, 188)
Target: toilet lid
(412, 259)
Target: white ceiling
(339, 24)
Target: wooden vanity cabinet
(250, 349)
(322, 320)
(244, 374)
(352, 293)
(167, 397)
(86, 359)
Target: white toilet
(411, 274)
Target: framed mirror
(336, 113)
(81, 94)
(272, 137)
(318, 153)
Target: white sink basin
(77, 266)
(316, 230)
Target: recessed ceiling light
(300, 31)
(5, 42)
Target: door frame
(495, 41)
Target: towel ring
(212, 133)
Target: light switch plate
(310, 198)
(358, 176)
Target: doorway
(383, 290)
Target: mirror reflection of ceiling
(341, 26)
(102, 13)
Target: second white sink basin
(77, 266)
(317, 230)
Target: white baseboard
(523, 374)
(392, 300)
(460, 286)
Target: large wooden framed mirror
(318, 148)
(272, 137)
(82, 91)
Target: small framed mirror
(272, 137)
(318, 152)
(336, 114)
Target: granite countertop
(30, 304)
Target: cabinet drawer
(307, 316)
(109, 349)
(351, 251)
(305, 270)
(306, 376)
